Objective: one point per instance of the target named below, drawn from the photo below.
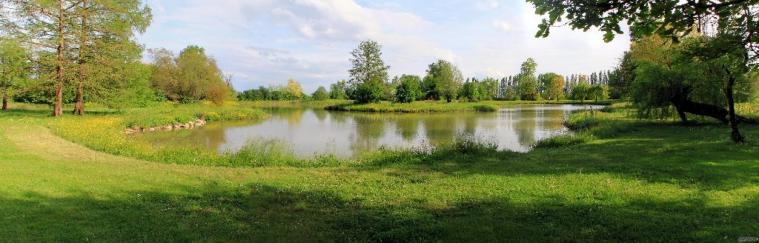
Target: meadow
(685, 183)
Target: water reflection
(345, 134)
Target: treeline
(369, 82)
(76, 51)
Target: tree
(598, 92)
(14, 61)
(622, 77)
(320, 94)
(294, 89)
(580, 91)
(337, 90)
(46, 25)
(189, 77)
(489, 88)
(430, 82)
(528, 83)
(734, 23)
(105, 31)
(553, 86)
(368, 73)
(471, 91)
(446, 78)
(409, 89)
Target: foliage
(445, 78)
(293, 89)
(552, 85)
(418, 107)
(581, 91)
(368, 73)
(320, 94)
(409, 89)
(471, 91)
(622, 77)
(337, 90)
(189, 77)
(14, 60)
(528, 82)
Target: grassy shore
(442, 106)
(684, 183)
(294, 104)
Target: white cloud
(264, 42)
(502, 25)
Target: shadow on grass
(684, 155)
(265, 213)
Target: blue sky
(265, 42)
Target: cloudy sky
(265, 42)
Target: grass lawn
(630, 181)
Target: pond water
(309, 132)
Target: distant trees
(14, 62)
(409, 89)
(471, 90)
(338, 90)
(552, 85)
(189, 77)
(528, 82)
(445, 78)
(294, 89)
(320, 94)
(368, 73)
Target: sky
(266, 42)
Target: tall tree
(528, 82)
(106, 45)
(189, 77)
(14, 62)
(337, 90)
(368, 73)
(553, 86)
(294, 88)
(446, 78)
(45, 24)
(734, 21)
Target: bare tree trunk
(83, 38)
(735, 134)
(5, 99)
(58, 102)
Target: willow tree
(731, 24)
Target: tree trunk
(58, 102)
(735, 134)
(5, 100)
(83, 38)
(682, 114)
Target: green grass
(169, 114)
(633, 181)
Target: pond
(309, 132)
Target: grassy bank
(685, 183)
(294, 104)
(442, 106)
